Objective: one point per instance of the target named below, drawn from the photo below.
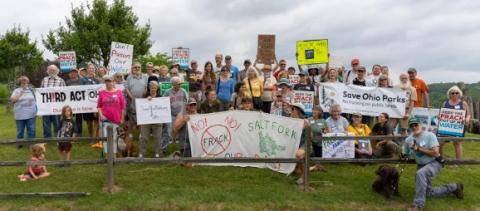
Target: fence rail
(111, 160)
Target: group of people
(221, 86)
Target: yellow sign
(312, 52)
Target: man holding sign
(449, 118)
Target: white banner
(451, 122)
(245, 134)
(305, 98)
(82, 99)
(369, 101)
(154, 111)
(338, 148)
(121, 56)
(428, 118)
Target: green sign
(165, 86)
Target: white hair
(54, 67)
(176, 79)
(454, 89)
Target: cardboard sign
(181, 56)
(121, 56)
(368, 101)
(312, 52)
(245, 134)
(451, 122)
(344, 149)
(68, 61)
(305, 98)
(266, 49)
(294, 79)
(154, 111)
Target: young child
(66, 131)
(35, 171)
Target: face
(404, 79)
(247, 105)
(102, 71)
(212, 96)
(332, 75)
(68, 112)
(209, 67)
(91, 70)
(316, 113)
(303, 78)
(225, 73)
(291, 71)
(163, 71)
(385, 70)
(174, 73)
(192, 107)
(383, 82)
(382, 119)
(108, 84)
(412, 75)
(283, 65)
(360, 73)
(136, 69)
(228, 62)
(51, 71)
(416, 128)
(83, 72)
(454, 95)
(73, 75)
(243, 88)
(24, 80)
(153, 89)
(377, 70)
(176, 85)
(251, 73)
(335, 114)
(218, 59)
(194, 66)
(355, 66)
(149, 68)
(356, 119)
(247, 65)
(118, 79)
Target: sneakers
(157, 155)
(97, 145)
(459, 192)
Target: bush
(4, 93)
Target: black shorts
(64, 146)
(89, 117)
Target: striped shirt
(52, 81)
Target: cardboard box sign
(312, 52)
(266, 49)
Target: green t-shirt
(426, 140)
(317, 127)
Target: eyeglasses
(454, 93)
(136, 67)
(283, 64)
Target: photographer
(423, 145)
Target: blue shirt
(426, 140)
(225, 90)
(234, 72)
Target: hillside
(438, 92)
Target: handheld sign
(121, 56)
(181, 56)
(294, 79)
(451, 122)
(165, 86)
(68, 61)
(305, 98)
(312, 52)
(154, 111)
(343, 149)
(266, 49)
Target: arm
(180, 121)
(467, 113)
(275, 62)
(427, 99)
(433, 152)
(14, 98)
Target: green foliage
(4, 93)
(438, 92)
(17, 54)
(91, 29)
(157, 59)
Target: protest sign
(428, 118)
(154, 111)
(165, 86)
(368, 101)
(305, 98)
(245, 134)
(266, 49)
(67, 60)
(121, 56)
(344, 149)
(451, 122)
(181, 56)
(312, 52)
(82, 99)
(294, 79)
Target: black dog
(387, 181)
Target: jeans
(423, 183)
(167, 134)
(48, 121)
(26, 123)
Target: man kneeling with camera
(424, 147)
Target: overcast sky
(439, 38)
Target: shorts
(89, 117)
(64, 146)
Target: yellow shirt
(257, 86)
(363, 130)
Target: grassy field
(342, 187)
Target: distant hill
(438, 92)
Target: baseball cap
(228, 57)
(355, 61)
(191, 101)
(283, 81)
(412, 70)
(357, 114)
(303, 73)
(413, 120)
(247, 61)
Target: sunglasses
(455, 93)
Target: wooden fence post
(110, 158)
(306, 169)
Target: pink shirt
(111, 104)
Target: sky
(439, 38)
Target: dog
(124, 141)
(387, 180)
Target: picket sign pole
(110, 157)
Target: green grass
(167, 187)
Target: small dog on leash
(124, 142)
(387, 180)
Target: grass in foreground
(343, 187)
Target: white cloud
(436, 37)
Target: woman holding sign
(24, 107)
(455, 101)
(154, 129)
(111, 109)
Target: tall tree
(91, 29)
(17, 54)
(157, 59)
